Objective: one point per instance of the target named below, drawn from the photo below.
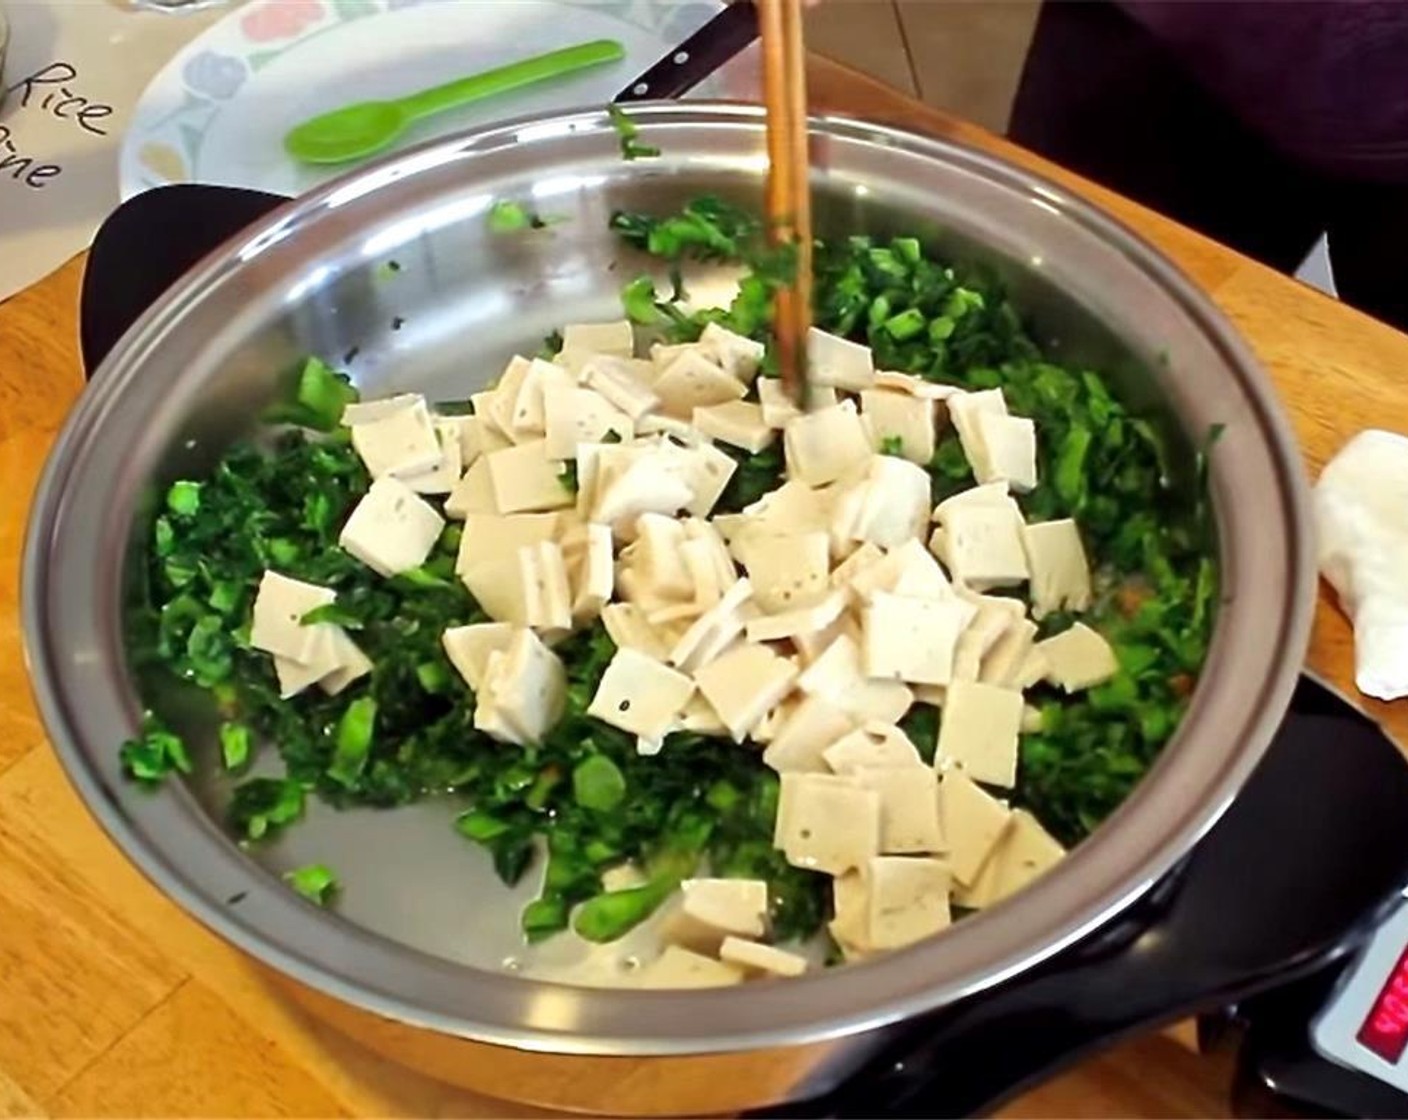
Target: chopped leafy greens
(629, 131)
(155, 754)
(506, 216)
(316, 882)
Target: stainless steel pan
(425, 938)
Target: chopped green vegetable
(507, 217)
(892, 445)
(638, 301)
(155, 754)
(183, 499)
(262, 804)
(609, 916)
(318, 399)
(315, 882)
(628, 131)
(597, 784)
(568, 476)
(353, 740)
(234, 745)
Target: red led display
(1385, 1031)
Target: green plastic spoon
(355, 131)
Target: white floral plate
(218, 111)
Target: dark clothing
(1325, 81)
(1105, 96)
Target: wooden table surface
(114, 1003)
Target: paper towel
(1361, 514)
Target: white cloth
(1361, 513)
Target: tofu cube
(1028, 851)
(994, 616)
(468, 648)
(991, 493)
(727, 906)
(692, 381)
(276, 623)
(909, 808)
(352, 663)
(444, 478)
(1078, 658)
(737, 423)
(787, 571)
(850, 902)
(894, 505)
(908, 900)
(983, 545)
(714, 630)
(823, 446)
(964, 410)
(400, 442)
(911, 640)
(392, 529)
(837, 676)
(1060, 572)
(826, 823)
(838, 362)
(738, 355)
(647, 480)
(641, 696)
(365, 412)
(914, 385)
(778, 409)
(628, 628)
(1009, 444)
(492, 537)
(547, 596)
(800, 622)
(525, 480)
(524, 691)
(708, 471)
(1025, 852)
(574, 416)
(592, 575)
(758, 959)
(902, 417)
(798, 744)
(978, 734)
(917, 575)
(615, 338)
(1002, 663)
(744, 684)
(616, 380)
(543, 381)
(322, 659)
(680, 968)
(973, 822)
(473, 493)
(873, 746)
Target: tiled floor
(961, 55)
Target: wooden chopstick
(789, 188)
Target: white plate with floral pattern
(217, 113)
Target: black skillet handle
(146, 245)
(1299, 870)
